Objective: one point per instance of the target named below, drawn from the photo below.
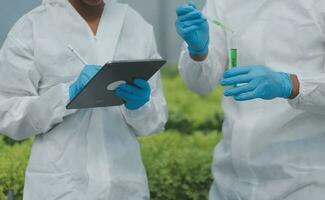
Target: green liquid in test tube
(233, 57)
(233, 54)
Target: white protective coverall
(272, 150)
(79, 154)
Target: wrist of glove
(257, 82)
(199, 52)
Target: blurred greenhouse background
(178, 161)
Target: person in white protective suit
(274, 129)
(88, 153)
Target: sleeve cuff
(187, 56)
(136, 114)
(201, 77)
(306, 87)
(188, 65)
(66, 100)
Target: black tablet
(99, 92)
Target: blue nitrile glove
(193, 27)
(134, 96)
(257, 82)
(85, 76)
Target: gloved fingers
(184, 31)
(132, 89)
(86, 77)
(240, 90)
(128, 97)
(246, 96)
(190, 16)
(192, 22)
(93, 72)
(236, 80)
(92, 68)
(192, 4)
(184, 9)
(188, 30)
(236, 71)
(179, 30)
(142, 84)
(90, 71)
(97, 67)
(82, 83)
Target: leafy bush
(188, 111)
(178, 166)
(179, 122)
(13, 162)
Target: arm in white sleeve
(23, 112)
(311, 96)
(203, 77)
(152, 117)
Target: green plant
(13, 162)
(11, 142)
(179, 167)
(189, 112)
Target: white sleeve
(152, 117)
(319, 8)
(23, 112)
(203, 77)
(311, 96)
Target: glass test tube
(233, 57)
(233, 54)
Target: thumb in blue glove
(134, 96)
(85, 76)
(257, 82)
(193, 27)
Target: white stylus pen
(78, 55)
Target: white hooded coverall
(80, 154)
(272, 150)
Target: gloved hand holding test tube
(233, 45)
(198, 40)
